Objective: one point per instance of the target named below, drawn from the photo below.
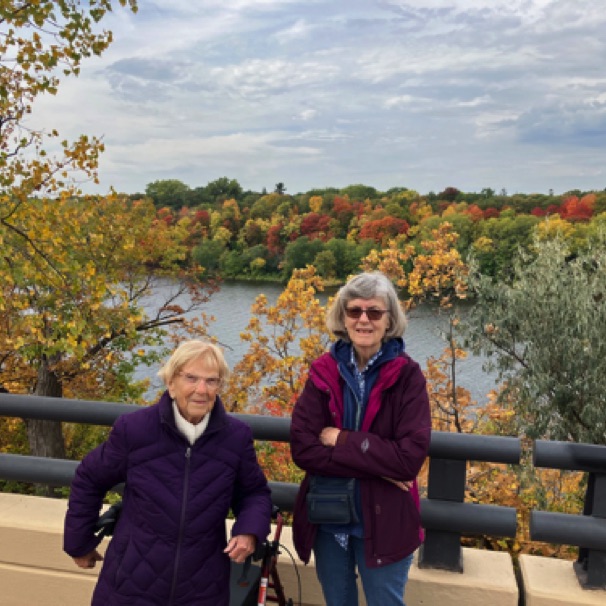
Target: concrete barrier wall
(34, 570)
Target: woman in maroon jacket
(186, 463)
(363, 414)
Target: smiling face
(194, 389)
(366, 335)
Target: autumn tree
(315, 225)
(343, 212)
(575, 209)
(74, 270)
(436, 274)
(450, 194)
(40, 42)
(74, 301)
(383, 230)
(284, 339)
(544, 331)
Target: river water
(231, 307)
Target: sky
(422, 94)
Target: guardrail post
(591, 565)
(442, 549)
(590, 531)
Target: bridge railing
(445, 515)
(587, 531)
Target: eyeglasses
(372, 314)
(194, 381)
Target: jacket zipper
(356, 398)
(373, 522)
(181, 524)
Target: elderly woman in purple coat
(185, 464)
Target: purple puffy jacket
(167, 548)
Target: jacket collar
(324, 373)
(341, 350)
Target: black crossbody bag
(331, 500)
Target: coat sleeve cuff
(342, 437)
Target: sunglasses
(372, 314)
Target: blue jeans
(336, 570)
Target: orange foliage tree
(284, 339)
(435, 274)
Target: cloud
(422, 94)
(560, 124)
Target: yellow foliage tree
(522, 487)
(555, 227)
(315, 204)
(75, 299)
(284, 339)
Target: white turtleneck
(189, 430)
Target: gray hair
(368, 285)
(192, 350)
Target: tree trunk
(46, 437)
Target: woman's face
(365, 334)
(194, 389)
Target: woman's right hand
(89, 560)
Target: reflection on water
(231, 310)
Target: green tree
(326, 264)
(507, 234)
(359, 192)
(348, 256)
(300, 253)
(219, 190)
(544, 332)
(208, 255)
(171, 193)
(265, 206)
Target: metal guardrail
(93, 412)
(445, 515)
(587, 531)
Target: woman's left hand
(240, 547)
(329, 435)
(404, 485)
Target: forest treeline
(243, 234)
